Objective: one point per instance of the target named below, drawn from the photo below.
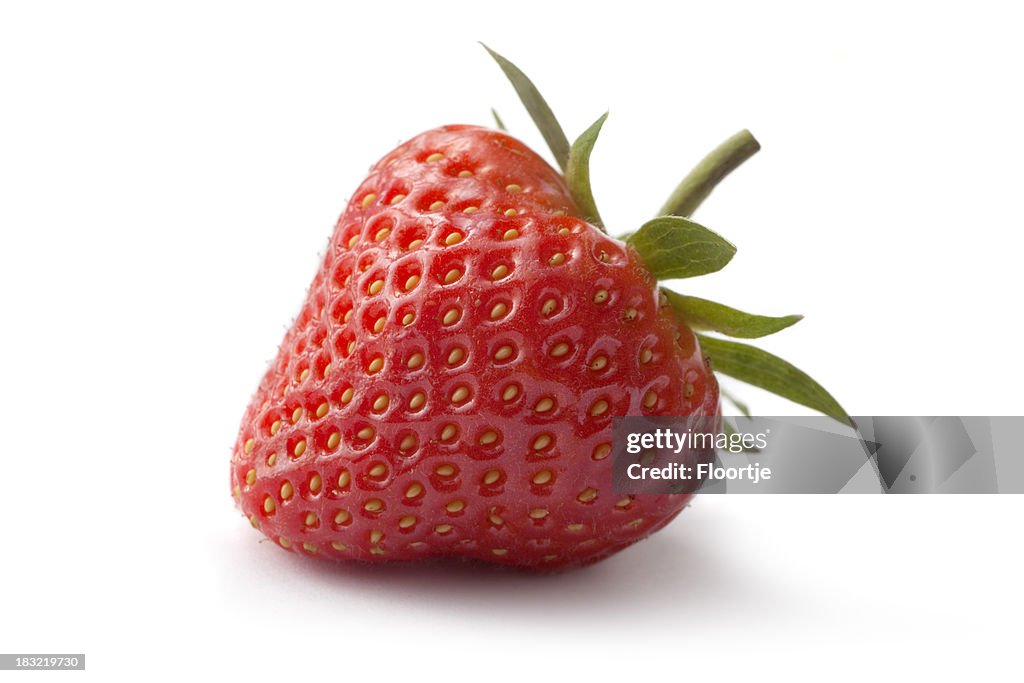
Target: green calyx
(676, 247)
(577, 172)
(539, 110)
(702, 314)
(672, 246)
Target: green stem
(696, 186)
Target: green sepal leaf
(497, 121)
(577, 172)
(762, 369)
(539, 110)
(740, 405)
(676, 247)
(708, 315)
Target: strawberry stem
(699, 183)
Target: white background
(169, 176)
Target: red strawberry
(449, 386)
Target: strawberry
(449, 385)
